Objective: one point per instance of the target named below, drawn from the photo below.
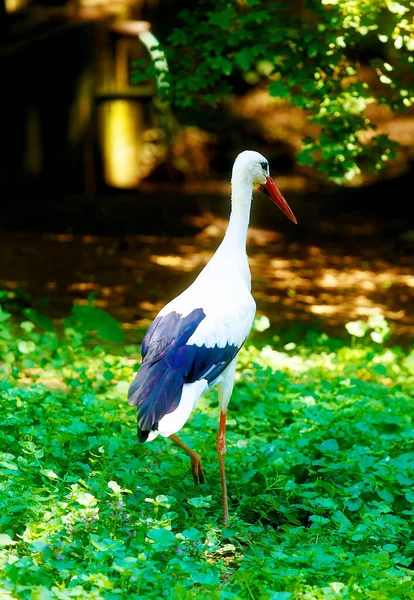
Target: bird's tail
(156, 392)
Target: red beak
(271, 189)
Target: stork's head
(251, 168)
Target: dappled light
(186, 263)
(292, 282)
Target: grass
(320, 471)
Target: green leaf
(314, 48)
(305, 158)
(329, 446)
(377, 322)
(343, 522)
(41, 592)
(318, 519)
(353, 505)
(200, 501)
(5, 540)
(244, 58)
(4, 315)
(261, 323)
(162, 537)
(49, 473)
(26, 347)
(85, 498)
(356, 328)
(180, 593)
(39, 319)
(104, 324)
(193, 534)
(8, 465)
(27, 326)
(126, 564)
(377, 337)
(279, 89)
(410, 497)
(101, 544)
(390, 547)
(108, 375)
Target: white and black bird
(194, 342)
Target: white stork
(194, 342)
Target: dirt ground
(341, 271)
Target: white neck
(230, 262)
(229, 265)
(241, 199)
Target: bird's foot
(197, 470)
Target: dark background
(88, 156)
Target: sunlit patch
(147, 239)
(362, 278)
(12, 285)
(292, 282)
(151, 307)
(306, 298)
(318, 309)
(262, 237)
(59, 237)
(278, 263)
(181, 263)
(186, 248)
(118, 289)
(90, 239)
(15, 5)
(129, 262)
(266, 296)
(98, 302)
(212, 227)
(82, 287)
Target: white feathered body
(223, 291)
(195, 339)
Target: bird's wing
(174, 354)
(169, 329)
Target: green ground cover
(320, 472)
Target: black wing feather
(168, 363)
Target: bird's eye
(264, 165)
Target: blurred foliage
(320, 469)
(377, 325)
(306, 52)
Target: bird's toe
(201, 477)
(198, 473)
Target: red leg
(221, 451)
(196, 468)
